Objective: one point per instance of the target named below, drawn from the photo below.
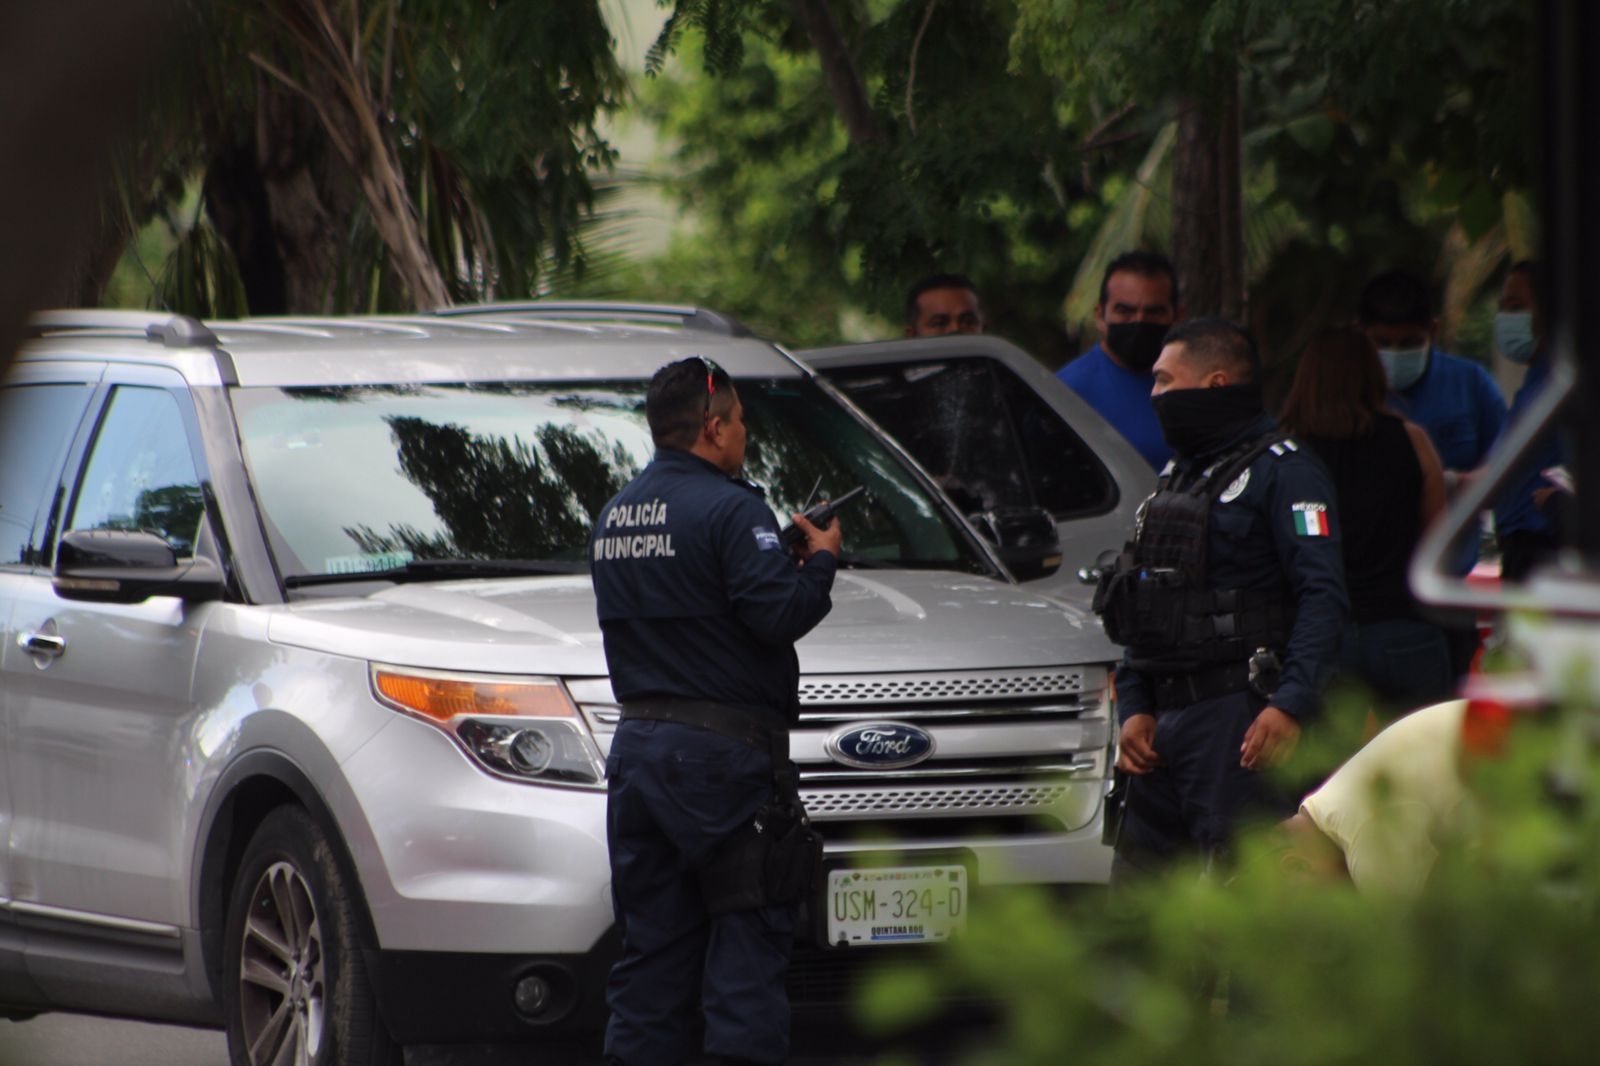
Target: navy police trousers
(675, 793)
(1192, 803)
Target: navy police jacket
(696, 596)
(1274, 527)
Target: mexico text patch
(1311, 519)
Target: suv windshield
(363, 479)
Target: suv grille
(925, 799)
(1024, 744)
(985, 685)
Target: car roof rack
(605, 310)
(162, 327)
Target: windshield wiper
(444, 570)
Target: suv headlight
(527, 729)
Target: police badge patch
(767, 540)
(1236, 488)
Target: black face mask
(1199, 421)
(1137, 344)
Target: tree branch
(911, 73)
(844, 81)
(349, 114)
(1092, 140)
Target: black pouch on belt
(733, 878)
(793, 863)
(774, 859)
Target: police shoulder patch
(767, 539)
(1311, 519)
(1285, 447)
(1235, 488)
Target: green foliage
(722, 24)
(976, 171)
(490, 112)
(502, 102)
(1028, 150)
(1372, 130)
(1493, 962)
(756, 176)
(200, 270)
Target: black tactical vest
(1154, 600)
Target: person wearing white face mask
(1454, 399)
(1528, 532)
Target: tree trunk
(839, 68)
(1207, 199)
(337, 87)
(240, 210)
(310, 208)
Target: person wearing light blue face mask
(1454, 399)
(1514, 337)
(1528, 533)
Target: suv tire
(296, 992)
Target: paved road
(79, 1040)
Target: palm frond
(1125, 228)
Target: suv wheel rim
(281, 974)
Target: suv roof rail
(604, 310)
(164, 327)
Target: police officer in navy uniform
(700, 606)
(1229, 601)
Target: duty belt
(758, 727)
(1171, 691)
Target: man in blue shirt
(1454, 399)
(1138, 304)
(699, 606)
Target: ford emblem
(880, 746)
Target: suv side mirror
(128, 566)
(1027, 539)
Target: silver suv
(304, 705)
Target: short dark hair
(1218, 343)
(1146, 265)
(931, 282)
(1395, 298)
(1529, 268)
(679, 396)
(1339, 387)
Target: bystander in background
(1138, 305)
(944, 303)
(1527, 517)
(1390, 486)
(1454, 399)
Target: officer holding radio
(1229, 601)
(700, 604)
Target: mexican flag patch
(1311, 519)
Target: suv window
(141, 473)
(986, 436)
(36, 427)
(352, 480)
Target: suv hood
(882, 621)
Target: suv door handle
(42, 644)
